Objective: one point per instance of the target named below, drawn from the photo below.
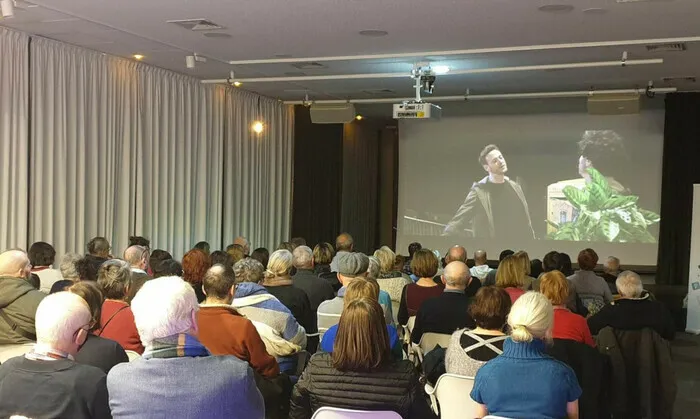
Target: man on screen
(495, 206)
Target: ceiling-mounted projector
(417, 110)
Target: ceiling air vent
(673, 47)
(379, 92)
(197, 24)
(687, 79)
(309, 66)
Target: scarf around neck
(175, 346)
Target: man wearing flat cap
(350, 266)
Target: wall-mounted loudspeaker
(614, 104)
(332, 113)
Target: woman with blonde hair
(386, 258)
(278, 282)
(567, 325)
(359, 374)
(504, 386)
(526, 267)
(389, 279)
(511, 277)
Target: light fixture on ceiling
(375, 33)
(8, 8)
(595, 11)
(237, 84)
(441, 69)
(556, 8)
(359, 117)
(192, 60)
(138, 57)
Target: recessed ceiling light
(595, 11)
(374, 33)
(217, 35)
(359, 117)
(556, 8)
(441, 69)
(138, 57)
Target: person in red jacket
(567, 325)
(224, 331)
(117, 320)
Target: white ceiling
(264, 29)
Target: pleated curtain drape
(14, 134)
(115, 148)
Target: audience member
(469, 350)
(279, 330)
(565, 264)
(167, 267)
(138, 258)
(491, 276)
(424, 265)
(88, 266)
(99, 247)
(592, 289)
(286, 246)
(194, 265)
(157, 256)
(386, 258)
(262, 255)
(117, 320)
(567, 325)
(344, 244)
(224, 331)
(361, 288)
(18, 299)
(550, 262)
(323, 256)
(448, 311)
(611, 269)
(237, 252)
(317, 289)
(524, 260)
(350, 266)
(243, 242)
(47, 382)
(67, 267)
(177, 377)
(96, 351)
(203, 246)
(505, 385)
(393, 282)
(481, 268)
(220, 257)
(359, 373)
(634, 311)
(62, 285)
(412, 249)
(536, 269)
(511, 277)
(298, 241)
(140, 241)
(278, 282)
(459, 254)
(42, 256)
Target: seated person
(96, 351)
(511, 277)
(117, 320)
(224, 331)
(359, 374)
(19, 298)
(592, 289)
(425, 266)
(448, 311)
(177, 377)
(47, 382)
(361, 288)
(42, 257)
(525, 382)
(567, 325)
(611, 269)
(469, 350)
(279, 330)
(634, 310)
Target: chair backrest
(132, 355)
(429, 340)
(336, 413)
(13, 350)
(452, 392)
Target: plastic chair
(337, 413)
(450, 397)
(428, 342)
(407, 328)
(133, 355)
(13, 350)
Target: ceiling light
(138, 57)
(190, 61)
(258, 127)
(374, 33)
(595, 11)
(8, 8)
(441, 69)
(556, 8)
(237, 83)
(217, 35)
(359, 117)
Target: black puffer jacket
(394, 387)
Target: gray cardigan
(456, 359)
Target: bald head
(344, 242)
(137, 256)
(480, 257)
(15, 263)
(456, 253)
(243, 242)
(456, 275)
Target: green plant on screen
(604, 215)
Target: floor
(686, 360)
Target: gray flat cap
(352, 264)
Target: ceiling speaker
(613, 104)
(332, 113)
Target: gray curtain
(14, 144)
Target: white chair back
(13, 350)
(428, 342)
(132, 355)
(336, 413)
(450, 397)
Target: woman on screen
(603, 150)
